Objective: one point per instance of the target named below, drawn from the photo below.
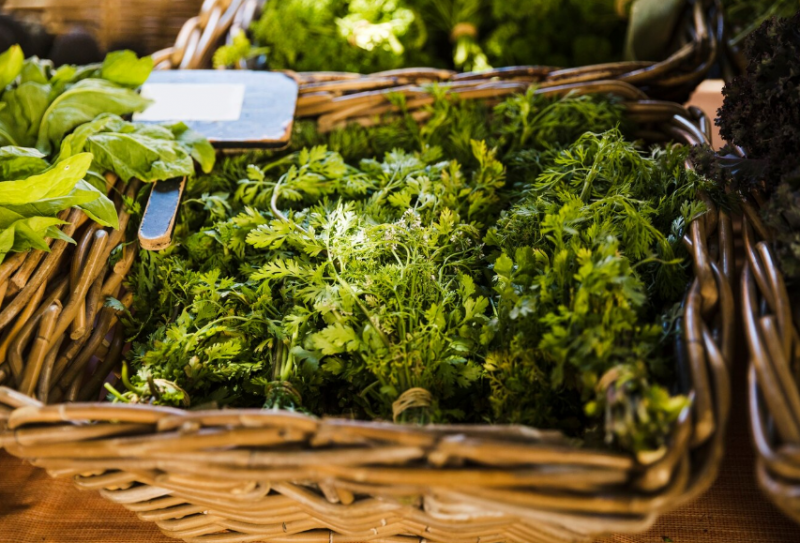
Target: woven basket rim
(772, 337)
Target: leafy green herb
(29, 206)
(20, 162)
(142, 151)
(124, 68)
(335, 282)
(579, 254)
(10, 65)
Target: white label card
(192, 102)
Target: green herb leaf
(10, 65)
(197, 145)
(20, 162)
(124, 68)
(80, 104)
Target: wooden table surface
(37, 509)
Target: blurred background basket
(144, 26)
(186, 33)
(689, 55)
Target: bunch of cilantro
(515, 264)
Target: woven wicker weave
(700, 34)
(772, 334)
(251, 475)
(150, 25)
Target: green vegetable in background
(368, 36)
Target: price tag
(234, 109)
(189, 102)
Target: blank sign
(234, 109)
(192, 102)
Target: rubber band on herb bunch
(410, 399)
(278, 390)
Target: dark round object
(75, 47)
(33, 38)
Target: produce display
(527, 270)
(761, 115)
(368, 36)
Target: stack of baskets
(250, 475)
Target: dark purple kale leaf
(761, 110)
(760, 115)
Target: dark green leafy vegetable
(761, 115)
(744, 16)
(370, 262)
(572, 316)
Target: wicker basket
(772, 335)
(253, 475)
(149, 25)
(700, 34)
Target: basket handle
(201, 34)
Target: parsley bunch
(511, 265)
(590, 257)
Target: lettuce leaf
(81, 103)
(11, 63)
(20, 162)
(142, 151)
(126, 69)
(22, 114)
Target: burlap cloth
(37, 509)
